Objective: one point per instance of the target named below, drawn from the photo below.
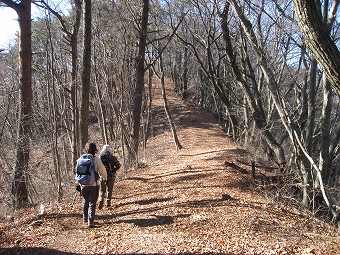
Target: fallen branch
(236, 167)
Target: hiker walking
(111, 164)
(89, 171)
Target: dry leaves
(181, 202)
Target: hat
(106, 147)
(92, 148)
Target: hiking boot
(91, 225)
(101, 204)
(108, 204)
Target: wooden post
(253, 169)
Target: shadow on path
(45, 251)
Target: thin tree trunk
(166, 107)
(149, 114)
(50, 72)
(325, 161)
(86, 75)
(311, 106)
(184, 87)
(101, 114)
(74, 83)
(140, 70)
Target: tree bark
(86, 75)
(326, 154)
(74, 82)
(318, 39)
(19, 183)
(140, 70)
(184, 83)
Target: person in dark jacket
(111, 164)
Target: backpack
(85, 172)
(111, 164)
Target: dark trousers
(90, 196)
(106, 187)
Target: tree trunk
(311, 106)
(19, 184)
(166, 108)
(72, 39)
(148, 120)
(101, 113)
(184, 83)
(74, 82)
(50, 73)
(86, 75)
(325, 162)
(318, 39)
(140, 70)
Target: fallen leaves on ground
(180, 202)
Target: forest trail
(180, 202)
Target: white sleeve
(100, 168)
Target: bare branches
(11, 4)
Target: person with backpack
(111, 164)
(88, 172)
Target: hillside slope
(180, 202)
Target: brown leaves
(182, 202)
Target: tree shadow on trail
(60, 215)
(33, 250)
(46, 251)
(161, 220)
(156, 220)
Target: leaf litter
(180, 202)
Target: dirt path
(181, 202)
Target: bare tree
(255, 105)
(139, 76)
(19, 183)
(86, 74)
(161, 76)
(71, 37)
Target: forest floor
(180, 202)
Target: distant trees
(70, 28)
(310, 173)
(270, 84)
(245, 61)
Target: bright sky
(8, 26)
